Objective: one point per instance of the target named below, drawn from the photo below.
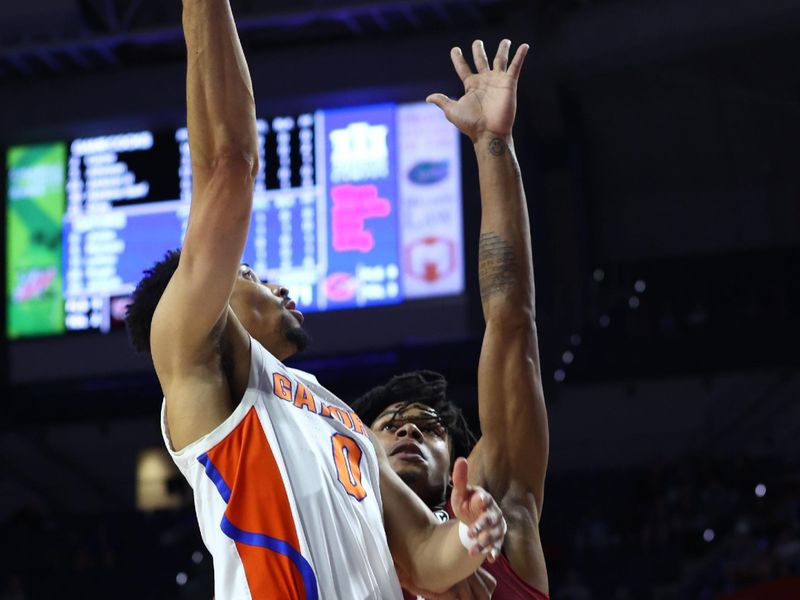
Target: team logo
(340, 287)
(429, 173)
(430, 258)
(33, 284)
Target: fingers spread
(479, 56)
(489, 520)
(491, 538)
(460, 63)
(501, 58)
(489, 529)
(516, 64)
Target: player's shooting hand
(489, 103)
(475, 507)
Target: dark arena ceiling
(52, 37)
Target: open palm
(489, 103)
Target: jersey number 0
(347, 458)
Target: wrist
(486, 138)
(494, 145)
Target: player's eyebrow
(393, 411)
(426, 412)
(246, 268)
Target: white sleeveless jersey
(287, 494)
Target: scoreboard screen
(353, 207)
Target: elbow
(231, 144)
(235, 160)
(228, 190)
(232, 172)
(519, 320)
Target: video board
(353, 207)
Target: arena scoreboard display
(353, 207)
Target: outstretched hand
(489, 103)
(475, 507)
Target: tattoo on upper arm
(497, 265)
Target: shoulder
(304, 376)
(202, 390)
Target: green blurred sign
(35, 208)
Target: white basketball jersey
(287, 494)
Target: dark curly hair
(427, 387)
(146, 296)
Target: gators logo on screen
(429, 173)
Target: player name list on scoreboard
(128, 198)
(99, 178)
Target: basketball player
(410, 415)
(287, 480)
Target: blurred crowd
(689, 530)
(695, 529)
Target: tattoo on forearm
(497, 147)
(497, 265)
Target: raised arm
(511, 457)
(224, 150)
(430, 553)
